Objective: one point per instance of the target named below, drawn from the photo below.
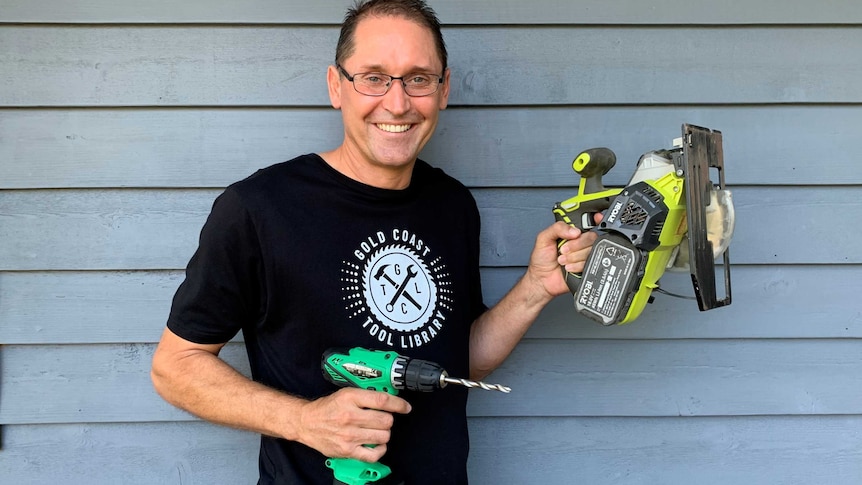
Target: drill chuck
(424, 376)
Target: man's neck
(375, 175)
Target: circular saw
(669, 217)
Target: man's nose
(396, 100)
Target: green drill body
(384, 371)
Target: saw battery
(610, 280)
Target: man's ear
(444, 90)
(333, 82)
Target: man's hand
(339, 425)
(545, 262)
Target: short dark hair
(414, 10)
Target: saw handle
(592, 198)
(591, 165)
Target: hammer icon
(399, 289)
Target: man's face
(390, 130)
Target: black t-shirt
(302, 258)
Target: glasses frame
(388, 84)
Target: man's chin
(396, 159)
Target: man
(363, 245)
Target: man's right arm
(192, 377)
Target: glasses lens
(420, 84)
(373, 84)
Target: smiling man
(387, 120)
(364, 245)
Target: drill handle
(350, 471)
(365, 369)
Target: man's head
(390, 82)
(414, 10)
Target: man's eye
(419, 80)
(373, 79)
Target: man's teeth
(394, 128)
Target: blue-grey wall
(121, 120)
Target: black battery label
(606, 280)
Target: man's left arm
(496, 332)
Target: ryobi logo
(615, 211)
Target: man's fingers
(574, 253)
(574, 262)
(340, 424)
(368, 454)
(584, 241)
(382, 402)
(559, 230)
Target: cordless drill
(389, 372)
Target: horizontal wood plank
(511, 218)
(140, 453)
(493, 147)
(285, 66)
(71, 307)
(158, 229)
(450, 12)
(635, 451)
(676, 378)
(97, 383)
(619, 451)
(111, 383)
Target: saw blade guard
(720, 224)
(702, 153)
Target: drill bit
(480, 384)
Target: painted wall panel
(158, 229)
(110, 383)
(87, 383)
(283, 66)
(614, 451)
(72, 307)
(709, 451)
(139, 453)
(765, 218)
(128, 118)
(482, 147)
(450, 12)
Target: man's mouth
(393, 128)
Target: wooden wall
(120, 121)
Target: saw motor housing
(659, 221)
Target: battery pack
(610, 279)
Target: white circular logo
(399, 288)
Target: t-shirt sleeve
(222, 290)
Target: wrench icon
(400, 289)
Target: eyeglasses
(377, 84)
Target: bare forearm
(191, 376)
(204, 385)
(496, 332)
